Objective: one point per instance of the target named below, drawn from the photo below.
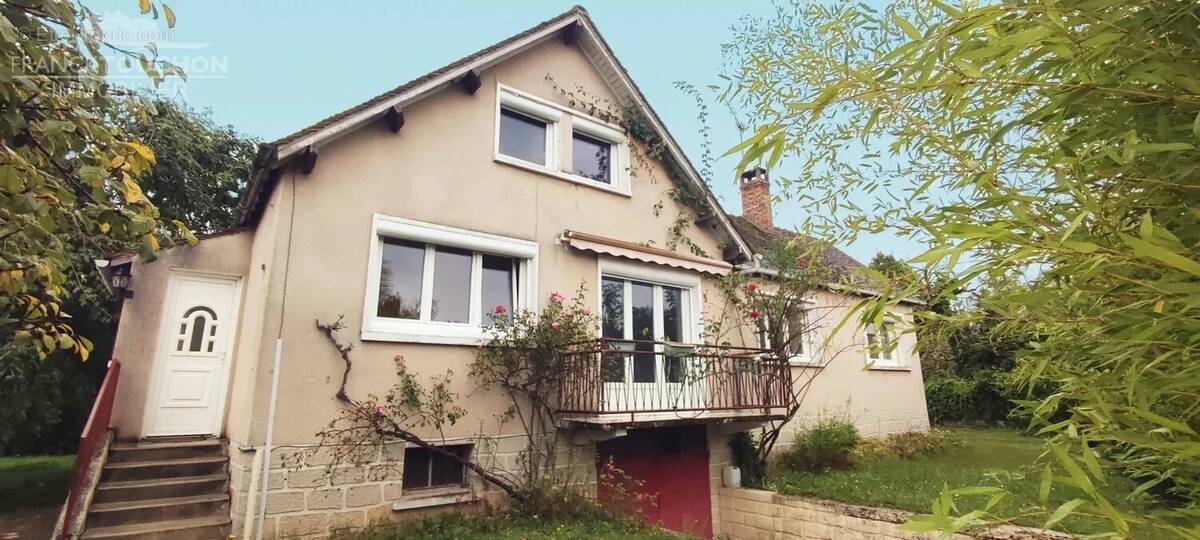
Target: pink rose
(556, 297)
(381, 410)
(587, 312)
(554, 325)
(499, 309)
(754, 314)
(751, 287)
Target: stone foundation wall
(753, 514)
(308, 497)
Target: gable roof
(761, 240)
(275, 154)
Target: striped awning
(629, 250)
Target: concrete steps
(173, 489)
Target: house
(497, 179)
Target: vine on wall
(691, 199)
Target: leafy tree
(201, 167)
(1050, 143)
(68, 177)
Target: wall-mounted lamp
(121, 280)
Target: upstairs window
(433, 284)
(547, 138)
(592, 157)
(522, 136)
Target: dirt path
(35, 524)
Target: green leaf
(1146, 249)
(1062, 511)
(1196, 126)
(968, 68)
(906, 26)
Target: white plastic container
(732, 476)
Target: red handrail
(93, 432)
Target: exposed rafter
(308, 160)
(394, 119)
(570, 34)
(469, 82)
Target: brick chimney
(756, 198)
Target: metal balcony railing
(632, 376)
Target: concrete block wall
(751, 514)
(309, 497)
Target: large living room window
(433, 284)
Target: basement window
(425, 468)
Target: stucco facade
(305, 258)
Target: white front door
(192, 366)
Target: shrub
(906, 445)
(984, 398)
(827, 445)
(552, 500)
(745, 456)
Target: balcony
(620, 382)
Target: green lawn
(912, 484)
(513, 528)
(33, 482)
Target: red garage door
(669, 467)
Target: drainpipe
(266, 458)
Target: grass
(912, 484)
(508, 527)
(34, 481)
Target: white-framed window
(527, 131)
(801, 350)
(530, 135)
(429, 283)
(882, 346)
(647, 304)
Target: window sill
(423, 332)
(545, 171)
(434, 497)
(803, 361)
(888, 368)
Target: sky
(271, 67)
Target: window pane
(522, 137)
(497, 284)
(400, 279)
(591, 157)
(643, 329)
(612, 300)
(885, 342)
(672, 314)
(451, 285)
(446, 471)
(416, 468)
(797, 325)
